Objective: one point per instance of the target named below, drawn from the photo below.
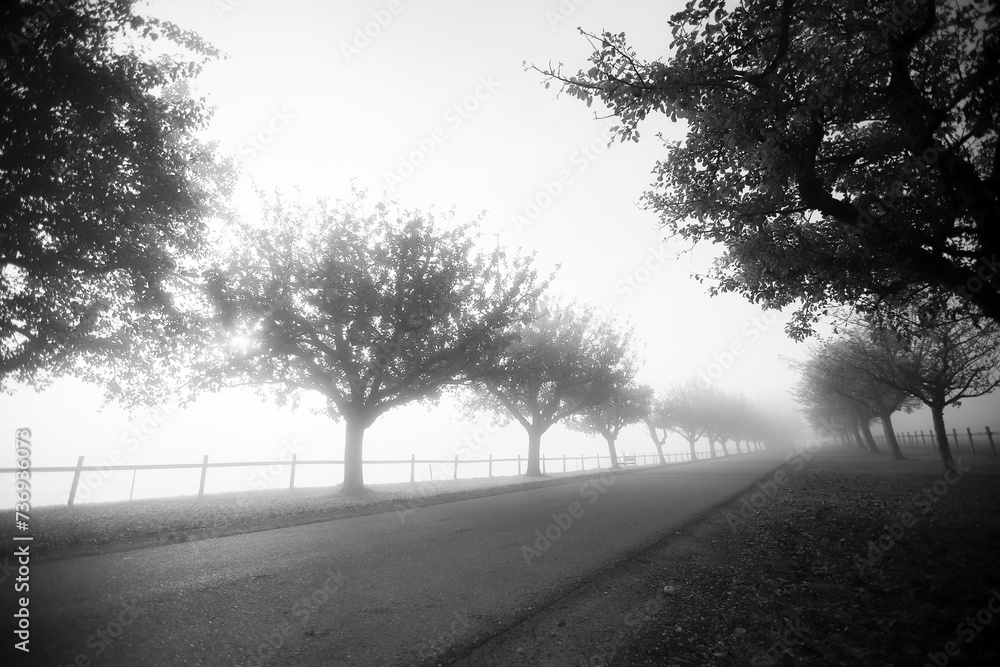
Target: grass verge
(63, 532)
(852, 560)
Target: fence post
(413, 468)
(989, 434)
(204, 473)
(955, 433)
(543, 464)
(923, 438)
(455, 476)
(972, 445)
(583, 463)
(491, 465)
(132, 490)
(76, 480)
(564, 462)
(518, 464)
(291, 477)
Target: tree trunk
(890, 435)
(694, 454)
(866, 430)
(612, 451)
(657, 440)
(711, 447)
(534, 452)
(722, 442)
(857, 441)
(937, 413)
(354, 476)
(856, 428)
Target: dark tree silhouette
(104, 188)
(841, 152)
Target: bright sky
(429, 101)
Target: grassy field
(853, 559)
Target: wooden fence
(926, 440)
(80, 468)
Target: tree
(373, 310)
(564, 362)
(844, 368)
(940, 364)
(625, 405)
(681, 411)
(841, 152)
(823, 392)
(105, 187)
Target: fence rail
(293, 463)
(922, 440)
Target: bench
(628, 460)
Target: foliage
(562, 363)
(373, 310)
(104, 185)
(841, 152)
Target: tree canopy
(370, 308)
(563, 362)
(841, 152)
(105, 186)
(870, 370)
(625, 405)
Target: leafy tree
(844, 367)
(680, 411)
(841, 152)
(373, 310)
(564, 362)
(625, 405)
(940, 364)
(825, 394)
(105, 187)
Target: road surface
(372, 590)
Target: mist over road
(382, 589)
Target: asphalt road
(370, 590)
